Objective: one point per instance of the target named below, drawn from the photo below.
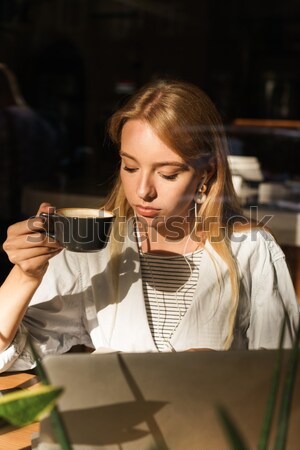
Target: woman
(183, 269)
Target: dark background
(76, 59)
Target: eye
(129, 169)
(169, 177)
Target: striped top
(169, 283)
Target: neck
(151, 240)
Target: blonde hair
(186, 120)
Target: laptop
(165, 401)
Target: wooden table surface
(11, 437)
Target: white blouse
(81, 302)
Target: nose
(146, 189)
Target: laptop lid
(163, 400)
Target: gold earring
(200, 195)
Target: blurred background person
(29, 147)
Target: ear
(211, 168)
(204, 175)
(208, 173)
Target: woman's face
(159, 185)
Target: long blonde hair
(186, 120)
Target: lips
(147, 211)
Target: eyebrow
(160, 164)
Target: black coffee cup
(80, 229)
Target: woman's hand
(29, 247)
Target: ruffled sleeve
(9, 359)
(54, 317)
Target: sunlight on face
(157, 181)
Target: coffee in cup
(80, 229)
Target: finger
(34, 258)
(30, 242)
(37, 264)
(32, 224)
(27, 226)
(35, 224)
(40, 239)
(46, 208)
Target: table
(13, 438)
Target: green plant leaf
(27, 406)
(39, 366)
(58, 425)
(286, 399)
(270, 409)
(234, 436)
